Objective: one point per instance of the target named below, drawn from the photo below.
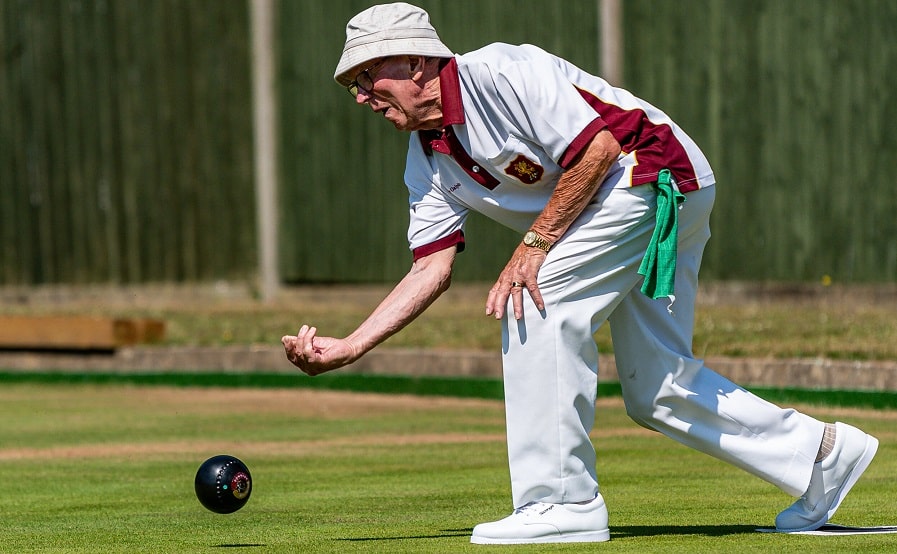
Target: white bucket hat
(388, 30)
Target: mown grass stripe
(423, 386)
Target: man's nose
(363, 97)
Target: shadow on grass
(443, 534)
(626, 531)
(616, 532)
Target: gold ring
(516, 284)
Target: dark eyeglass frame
(355, 85)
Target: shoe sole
(852, 478)
(590, 536)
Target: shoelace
(533, 508)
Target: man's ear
(416, 65)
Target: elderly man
(612, 200)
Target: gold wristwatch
(532, 238)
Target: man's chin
(401, 125)
(405, 124)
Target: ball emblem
(223, 484)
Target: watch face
(531, 238)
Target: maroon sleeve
(456, 239)
(581, 141)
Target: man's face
(388, 87)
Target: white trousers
(550, 360)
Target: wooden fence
(792, 102)
(125, 135)
(125, 141)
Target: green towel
(659, 264)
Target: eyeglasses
(363, 81)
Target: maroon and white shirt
(515, 117)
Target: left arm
(574, 190)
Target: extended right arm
(427, 279)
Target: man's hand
(315, 355)
(573, 192)
(520, 273)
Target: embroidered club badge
(524, 169)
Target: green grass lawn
(775, 321)
(109, 467)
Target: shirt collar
(450, 91)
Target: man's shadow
(617, 532)
(625, 531)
